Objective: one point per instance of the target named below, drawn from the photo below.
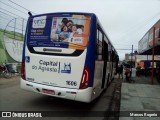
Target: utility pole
(131, 60)
(132, 55)
(153, 54)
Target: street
(15, 99)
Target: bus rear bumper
(84, 95)
(66, 93)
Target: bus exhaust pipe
(59, 94)
(38, 89)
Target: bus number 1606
(72, 83)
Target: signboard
(14, 48)
(71, 31)
(147, 57)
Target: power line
(2, 24)
(125, 49)
(123, 45)
(140, 26)
(14, 8)
(12, 27)
(20, 6)
(12, 13)
(5, 18)
(1, 17)
(8, 14)
(5, 22)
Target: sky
(124, 21)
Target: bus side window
(99, 43)
(109, 52)
(105, 48)
(112, 58)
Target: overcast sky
(125, 21)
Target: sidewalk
(139, 97)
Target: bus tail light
(85, 78)
(23, 73)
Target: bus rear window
(69, 32)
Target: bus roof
(66, 13)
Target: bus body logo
(66, 68)
(39, 22)
(27, 59)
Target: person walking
(120, 71)
(138, 68)
(127, 74)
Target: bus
(67, 55)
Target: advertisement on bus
(62, 32)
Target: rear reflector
(85, 78)
(23, 73)
(71, 92)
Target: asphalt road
(12, 98)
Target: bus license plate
(51, 92)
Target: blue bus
(67, 55)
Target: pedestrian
(117, 70)
(158, 73)
(120, 71)
(138, 68)
(127, 74)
